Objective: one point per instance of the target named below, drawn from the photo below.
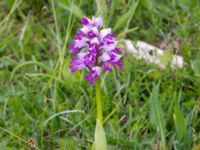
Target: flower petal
(117, 57)
(105, 56)
(97, 21)
(104, 33)
(85, 21)
(85, 29)
(94, 73)
(109, 47)
(97, 70)
(81, 43)
(95, 41)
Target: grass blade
(101, 8)
(156, 114)
(74, 9)
(179, 123)
(62, 113)
(126, 18)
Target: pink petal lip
(97, 69)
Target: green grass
(144, 107)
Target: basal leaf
(100, 138)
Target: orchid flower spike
(95, 49)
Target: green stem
(98, 101)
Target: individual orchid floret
(95, 49)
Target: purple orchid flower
(95, 48)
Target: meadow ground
(42, 103)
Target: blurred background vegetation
(42, 105)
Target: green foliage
(100, 137)
(102, 8)
(180, 123)
(166, 58)
(156, 114)
(42, 100)
(126, 18)
(196, 67)
(73, 8)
